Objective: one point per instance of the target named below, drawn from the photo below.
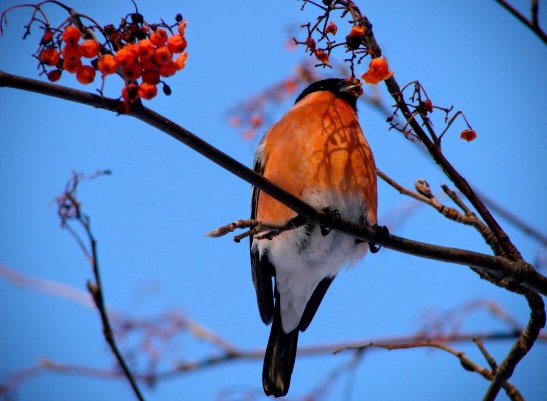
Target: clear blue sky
(150, 216)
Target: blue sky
(151, 215)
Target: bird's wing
(261, 267)
(314, 302)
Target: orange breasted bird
(318, 153)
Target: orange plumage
(317, 152)
(317, 145)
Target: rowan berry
(47, 37)
(72, 52)
(427, 106)
(107, 64)
(322, 56)
(90, 48)
(147, 91)
(125, 56)
(181, 61)
(132, 71)
(147, 63)
(151, 76)
(468, 134)
(176, 44)
(378, 70)
(357, 31)
(145, 48)
(331, 28)
(310, 44)
(54, 75)
(355, 37)
(85, 75)
(71, 35)
(49, 56)
(162, 55)
(168, 70)
(72, 66)
(159, 37)
(130, 92)
(132, 48)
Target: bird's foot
(382, 233)
(333, 214)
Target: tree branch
(460, 182)
(518, 273)
(69, 210)
(508, 249)
(532, 24)
(466, 362)
(237, 354)
(521, 346)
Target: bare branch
(237, 354)
(469, 218)
(532, 24)
(521, 347)
(69, 210)
(506, 248)
(519, 273)
(486, 354)
(466, 362)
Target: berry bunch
(141, 53)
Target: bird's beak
(353, 88)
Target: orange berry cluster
(142, 54)
(353, 40)
(70, 57)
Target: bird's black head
(349, 90)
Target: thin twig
(486, 354)
(228, 351)
(469, 218)
(532, 24)
(238, 354)
(69, 210)
(466, 362)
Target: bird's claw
(382, 232)
(333, 214)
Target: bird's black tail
(279, 359)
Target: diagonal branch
(508, 249)
(460, 182)
(521, 347)
(433, 148)
(69, 210)
(518, 273)
(533, 23)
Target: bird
(317, 151)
